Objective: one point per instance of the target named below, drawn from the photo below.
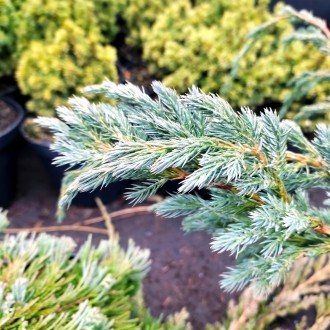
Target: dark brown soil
(184, 272)
(7, 115)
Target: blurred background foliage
(52, 71)
(56, 47)
(197, 44)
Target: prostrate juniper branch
(258, 209)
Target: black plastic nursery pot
(171, 187)
(8, 173)
(87, 199)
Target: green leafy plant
(258, 208)
(313, 31)
(197, 44)
(46, 283)
(306, 290)
(51, 71)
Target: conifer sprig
(257, 209)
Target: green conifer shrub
(304, 293)
(308, 29)
(51, 70)
(40, 19)
(107, 12)
(25, 21)
(56, 47)
(48, 284)
(139, 16)
(258, 208)
(197, 44)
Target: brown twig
(256, 151)
(118, 214)
(321, 24)
(88, 229)
(322, 229)
(82, 227)
(107, 219)
(182, 174)
(227, 186)
(305, 160)
(85, 226)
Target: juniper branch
(257, 209)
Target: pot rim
(17, 107)
(26, 136)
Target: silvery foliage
(48, 284)
(258, 207)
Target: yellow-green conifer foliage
(50, 71)
(107, 12)
(25, 21)
(57, 46)
(140, 15)
(40, 19)
(8, 27)
(64, 45)
(197, 44)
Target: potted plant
(46, 283)
(57, 62)
(48, 73)
(8, 37)
(11, 115)
(77, 32)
